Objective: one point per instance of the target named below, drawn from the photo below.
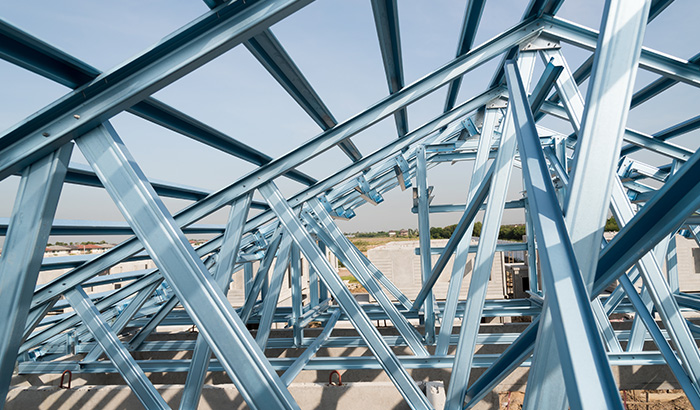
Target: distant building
(57, 250)
(76, 249)
(392, 234)
(404, 233)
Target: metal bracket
(541, 43)
(402, 171)
(366, 192)
(338, 212)
(498, 102)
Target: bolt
(46, 134)
(76, 116)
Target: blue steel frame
(572, 183)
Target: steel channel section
(322, 288)
(586, 206)
(224, 269)
(131, 246)
(517, 353)
(32, 213)
(587, 372)
(335, 341)
(83, 175)
(125, 317)
(320, 363)
(263, 269)
(272, 298)
(270, 53)
(535, 9)
(666, 134)
(313, 289)
(687, 385)
(532, 266)
(388, 360)
(386, 19)
(483, 261)
(479, 196)
(517, 204)
(470, 24)
(34, 141)
(113, 348)
(424, 239)
(35, 55)
(584, 70)
(661, 294)
(462, 252)
(605, 327)
(36, 316)
(637, 334)
(207, 206)
(672, 266)
(247, 278)
(329, 232)
(651, 60)
(295, 278)
(153, 322)
(295, 368)
(199, 294)
(71, 319)
(62, 227)
(657, 87)
(684, 332)
(85, 108)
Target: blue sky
(334, 43)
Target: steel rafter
(571, 184)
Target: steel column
(483, 261)
(587, 374)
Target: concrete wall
(316, 396)
(688, 264)
(398, 261)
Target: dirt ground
(632, 399)
(365, 244)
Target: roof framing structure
(571, 184)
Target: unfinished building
(596, 313)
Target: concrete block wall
(398, 261)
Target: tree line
(507, 232)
